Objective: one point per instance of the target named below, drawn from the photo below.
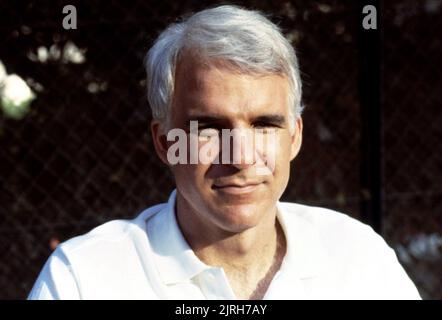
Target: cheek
(274, 154)
(190, 176)
(284, 151)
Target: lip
(236, 189)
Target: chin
(239, 217)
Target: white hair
(244, 38)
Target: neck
(205, 237)
(250, 256)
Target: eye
(262, 124)
(266, 126)
(208, 127)
(208, 132)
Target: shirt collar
(305, 257)
(175, 260)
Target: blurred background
(76, 150)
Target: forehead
(221, 90)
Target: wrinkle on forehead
(190, 61)
(224, 89)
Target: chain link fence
(412, 120)
(83, 155)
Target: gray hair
(245, 39)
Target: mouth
(237, 189)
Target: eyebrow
(276, 119)
(205, 118)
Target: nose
(242, 148)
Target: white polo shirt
(329, 256)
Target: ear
(159, 138)
(296, 139)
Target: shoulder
(103, 263)
(110, 235)
(324, 219)
(343, 237)
(358, 260)
(110, 232)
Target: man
(223, 233)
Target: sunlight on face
(233, 195)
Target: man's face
(233, 196)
